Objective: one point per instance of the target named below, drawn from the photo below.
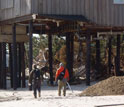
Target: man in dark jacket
(36, 76)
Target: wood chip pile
(111, 86)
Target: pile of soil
(111, 86)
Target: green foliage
(57, 43)
(39, 43)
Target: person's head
(35, 66)
(61, 65)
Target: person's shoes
(35, 96)
(39, 95)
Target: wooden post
(11, 64)
(122, 41)
(23, 64)
(98, 56)
(4, 64)
(30, 45)
(0, 65)
(118, 56)
(88, 60)
(68, 54)
(14, 51)
(19, 64)
(50, 58)
(109, 55)
(72, 54)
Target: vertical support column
(23, 64)
(14, 51)
(122, 41)
(0, 65)
(72, 54)
(30, 45)
(88, 58)
(11, 64)
(117, 60)
(19, 64)
(4, 64)
(68, 54)
(98, 56)
(50, 58)
(109, 55)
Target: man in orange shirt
(62, 76)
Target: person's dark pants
(37, 86)
(30, 87)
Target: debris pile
(111, 86)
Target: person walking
(35, 76)
(62, 76)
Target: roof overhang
(64, 17)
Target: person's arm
(67, 74)
(57, 74)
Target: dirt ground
(22, 97)
(111, 86)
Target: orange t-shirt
(60, 70)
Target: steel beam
(72, 53)
(98, 56)
(88, 58)
(0, 65)
(19, 64)
(50, 58)
(117, 60)
(30, 45)
(68, 56)
(109, 55)
(14, 52)
(4, 65)
(23, 65)
(11, 64)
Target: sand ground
(49, 98)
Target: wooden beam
(6, 34)
(50, 58)
(17, 20)
(88, 57)
(9, 38)
(7, 30)
(14, 51)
